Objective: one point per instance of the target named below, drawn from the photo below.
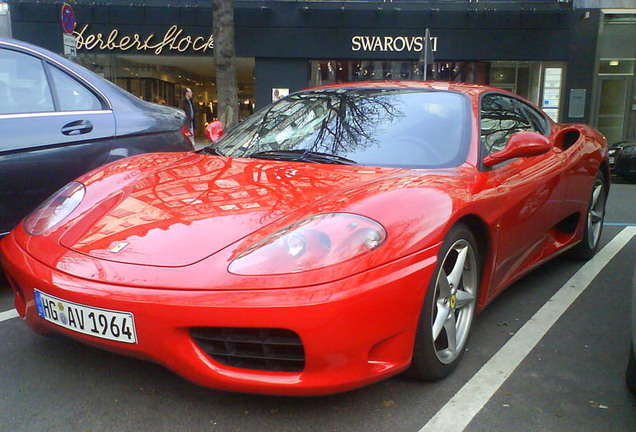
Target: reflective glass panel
(402, 128)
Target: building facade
(561, 56)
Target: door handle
(78, 127)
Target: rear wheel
(449, 307)
(593, 221)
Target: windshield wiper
(302, 155)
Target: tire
(630, 373)
(593, 220)
(449, 308)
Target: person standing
(188, 108)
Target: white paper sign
(69, 45)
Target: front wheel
(449, 307)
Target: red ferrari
(337, 237)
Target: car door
(528, 189)
(53, 128)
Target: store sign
(172, 40)
(390, 43)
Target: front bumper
(354, 331)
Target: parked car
(335, 238)
(59, 120)
(622, 156)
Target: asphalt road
(570, 380)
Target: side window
(23, 84)
(71, 95)
(501, 116)
(539, 123)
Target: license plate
(102, 323)
(611, 159)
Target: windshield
(395, 128)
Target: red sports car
(335, 238)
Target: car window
(539, 123)
(501, 116)
(71, 95)
(23, 84)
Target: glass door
(613, 107)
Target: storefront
(156, 48)
(615, 84)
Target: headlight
(55, 209)
(313, 243)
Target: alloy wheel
(596, 214)
(455, 297)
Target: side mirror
(520, 144)
(214, 130)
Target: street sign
(68, 19)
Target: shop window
(325, 72)
(539, 82)
(503, 77)
(616, 67)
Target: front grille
(263, 349)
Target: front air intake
(262, 349)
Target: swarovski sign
(391, 43)
(172, 40)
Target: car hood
(180, 212)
